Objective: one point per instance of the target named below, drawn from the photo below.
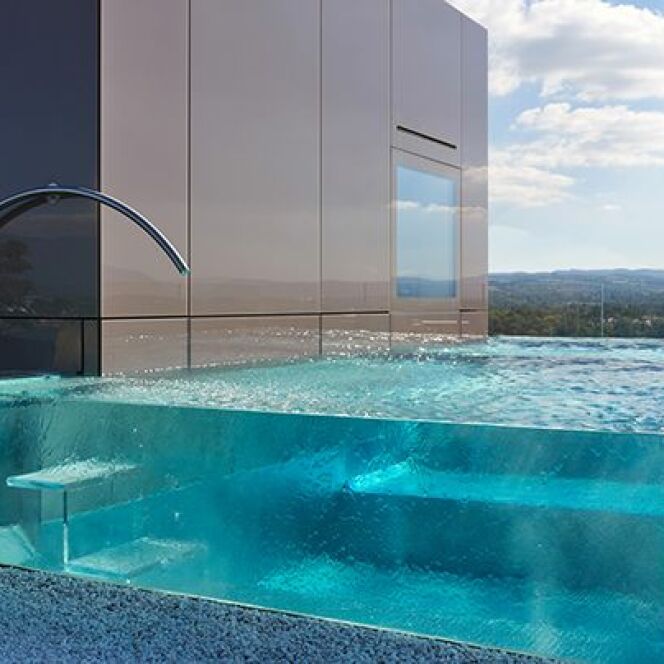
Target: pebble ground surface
(53, 618)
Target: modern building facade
(320, 164)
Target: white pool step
(133, 558)
(66, 477)
(407, 480)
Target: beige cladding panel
(143, 345)
(220, 128)
(348, 334)
(356, 156)
(474, 323)
(413, 332)
(427, 77)
(475, 202)
(144, 72)
(237, 340)
(255, 156)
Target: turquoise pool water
(615, 385)
(509, 494)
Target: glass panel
(547, 541)
(426, 235)
(34, 346)
(48, 132)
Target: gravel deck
(52, 618)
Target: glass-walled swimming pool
(395, 491)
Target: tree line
(612, 303)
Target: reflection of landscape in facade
(612, 303)
(14, 285)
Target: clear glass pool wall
(546, 540)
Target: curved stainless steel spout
(81, 192)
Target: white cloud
(405, 206)
(429, 208)
(603, 137)
(592, 50)
(525, 186)
(558, 137)
(611, 207)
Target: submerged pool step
(582, 533)
(69, 476)
(511, 612)
(407, 480)
(132, 559)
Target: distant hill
(569, 303)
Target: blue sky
(576, 132)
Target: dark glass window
(49, 133)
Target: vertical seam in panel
(320, 176)
(99, 186)
(391, 166)
(462, 157)
(188, 74)
(484, 296)
(81, 371)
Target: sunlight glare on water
(563, 383)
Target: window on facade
(426, 235)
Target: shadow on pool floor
(46, 617)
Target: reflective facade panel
(426, 239)
(255, 156)
(42, 346)
(235, 340)
(48, 133)
(474, 167)
(426, 235)
(91, 338)
(427, 77)
(356, 154)
(350, 334)
(474, 323)
(143, 344)
(144, 106)
(411, 332)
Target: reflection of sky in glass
(426, 235)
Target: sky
(576, 117)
